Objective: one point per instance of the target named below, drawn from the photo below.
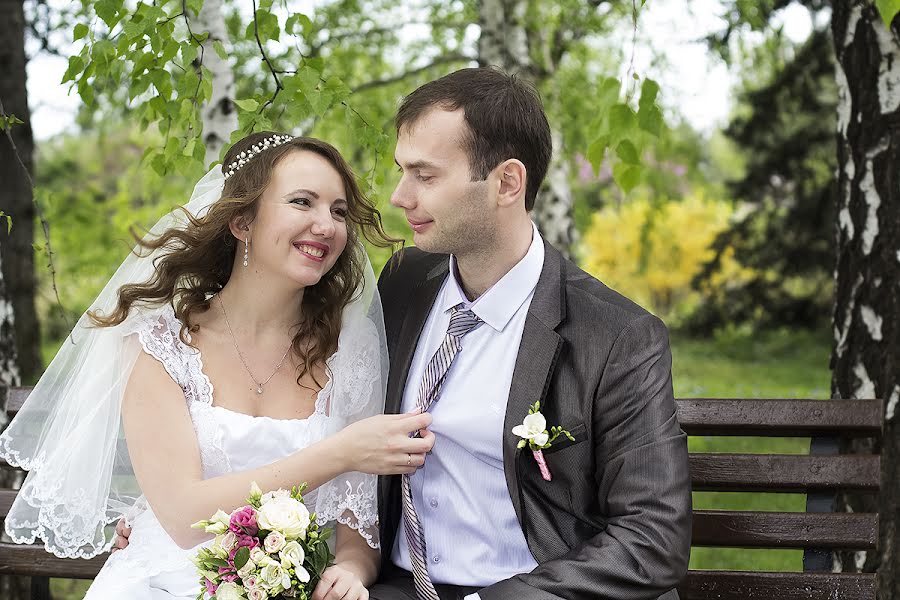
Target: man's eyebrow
(418, 164)
(302, 191)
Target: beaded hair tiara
(245, 156)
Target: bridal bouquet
(271, 548)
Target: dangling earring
(246, 250)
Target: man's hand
(122, 533)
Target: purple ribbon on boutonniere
(534, 434)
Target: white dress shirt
(472, 535)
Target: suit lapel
(538, 351)
(420, 302)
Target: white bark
(219, 115)
(888, 70)
(9, 364)
(503, 42)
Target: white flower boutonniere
(534, 434)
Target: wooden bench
(819, 531)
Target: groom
(484, 319)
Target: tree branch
(278, 86)
(440, 60)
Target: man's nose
(401, 197)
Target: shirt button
(433, 502)
(437, 558)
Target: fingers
(122, 529)
(415, 421)
(325, 583)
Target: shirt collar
(500, 302)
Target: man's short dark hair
(504, 116)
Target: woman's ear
(512, 182)
(240, 227)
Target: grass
(734, 364)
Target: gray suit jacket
(615, 522)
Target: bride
(242, 341)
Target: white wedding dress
(153, 567)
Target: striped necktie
(461, 323)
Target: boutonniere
(534, 434)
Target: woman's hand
(338, 583)
(381, 445)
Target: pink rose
(243, 541)
(210, 586)
(243, 521)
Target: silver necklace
(259, 385)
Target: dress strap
(159, 335)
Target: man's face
(446, 210)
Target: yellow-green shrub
(651, 252)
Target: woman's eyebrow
(302, 190)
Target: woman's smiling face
(300, 228)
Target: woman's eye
(300, 201)
(340, 212)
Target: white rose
(293, 554)
(272, 576)
(533, 427)
(250, 582)
(257, 555)
(229, 591)
(228, 541)
(257, 594)
(244, 572)
(274, 542)
(286, 515)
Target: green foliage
(784, 126)
(7, 122)
(888, 9)
(626, 131)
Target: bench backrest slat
(769, 418)
(784, 472)
(739, 529)
(736, 585)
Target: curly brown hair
(197, 260)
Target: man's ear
(512, 176)
(240, 227)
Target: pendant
(259, 389)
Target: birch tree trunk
(11, 587)
(219, 115)
(866, 349)
(15, 191)
(503, 42)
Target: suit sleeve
(643, 485)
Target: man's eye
(424, 178)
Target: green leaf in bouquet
(217, 562)
(325, 534)
(241, 557)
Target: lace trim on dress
(355, 507)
